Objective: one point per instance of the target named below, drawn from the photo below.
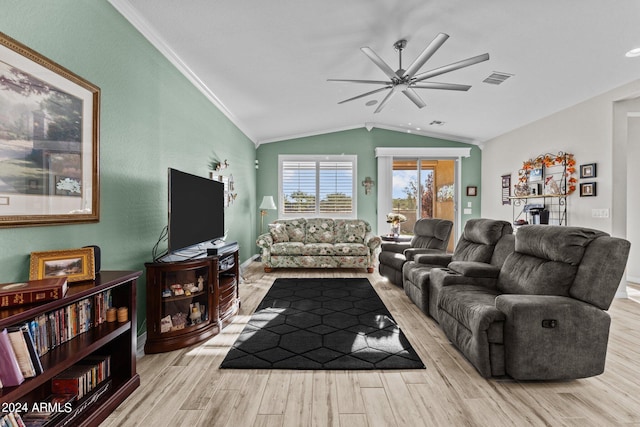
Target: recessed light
(370, 103)
(633, 53)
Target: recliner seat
(430, 235)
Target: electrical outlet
(600, 213)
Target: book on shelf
(54, 328)
(25, 330)
(19, 344)
(12, 419)
(83, 377)
(51, 410)
(32, 291)
(10, 373)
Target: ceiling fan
(406, 81)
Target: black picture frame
(472, 190)
(588, 189)
(588, 170)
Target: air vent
(497, 78)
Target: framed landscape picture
(49, 130)
(76, 264)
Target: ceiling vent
(497, 78)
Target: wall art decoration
(588, 170)
(588, 189)
(49, 131)
(76, 264)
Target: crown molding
(125, 8)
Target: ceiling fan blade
(379, 62)
(377, 82)
(426, 54)
(412, 95)
(386, 99)
(445, 86)
(451, 67)
(365, 94)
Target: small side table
(387, 238)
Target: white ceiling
(266, 63)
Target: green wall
(152, 118)
(362, 143)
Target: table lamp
(267, 204)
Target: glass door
(423, 188)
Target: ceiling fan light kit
(406, 81)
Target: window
(317, 186)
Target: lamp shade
(267, 203)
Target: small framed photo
(76, 264)
(588, 189)
(535, 175)
(588, 171)
(472, 190)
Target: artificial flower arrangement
(550, 160)
(395, 218)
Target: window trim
(318, 158)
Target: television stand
(222, 247)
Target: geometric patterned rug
(323, 323)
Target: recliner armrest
(397, 247)
(475, 269)
(553, 337)
(435, 259)
(411, 253)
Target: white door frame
(385, 157)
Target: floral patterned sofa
(319, 243)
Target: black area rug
(322, 324)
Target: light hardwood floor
(186, 388)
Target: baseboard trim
(142, 339)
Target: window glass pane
(318, 187)
(299, 187)
(336, 187)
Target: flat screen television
(196, 210)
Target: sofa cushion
(351, 249)
(278, 233)
(318, 249)
(319, 230)
(350, 231)
(529, 275)
(287, 248)
(479, 238)
(295, 229)
(566, 244)
(474, 307)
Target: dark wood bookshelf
(116, 339)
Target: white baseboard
(142, 339)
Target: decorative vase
(395, 229)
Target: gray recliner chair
(477, 246)
(430, 235)
(543, 316)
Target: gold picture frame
(58, 183)
(76, 264)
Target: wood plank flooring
(186, 388)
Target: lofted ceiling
(266, 63)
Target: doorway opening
(423, 188)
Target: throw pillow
(352, 233)
(278, 233)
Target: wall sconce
(367, 184)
